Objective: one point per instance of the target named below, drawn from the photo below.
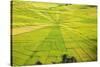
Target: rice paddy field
(46, 31)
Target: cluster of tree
(65, 59)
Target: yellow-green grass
(70, 30)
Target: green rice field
(46, 31)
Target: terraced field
(46, 31)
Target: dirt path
(21, 30)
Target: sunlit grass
(70, 29)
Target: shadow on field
(38, 63)
(65, 59)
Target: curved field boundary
(27, 29)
